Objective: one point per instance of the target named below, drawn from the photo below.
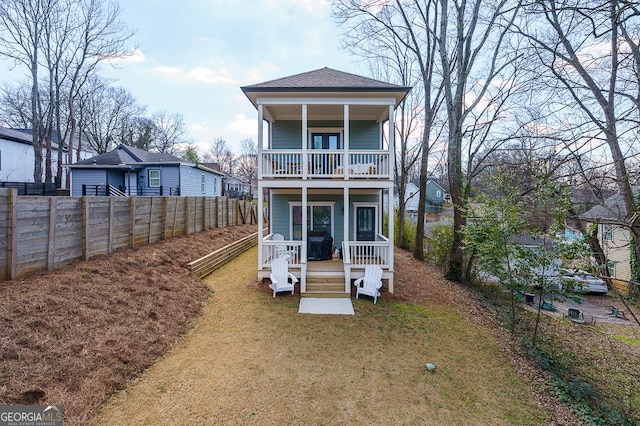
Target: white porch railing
(363, 253)
(273, 249)
(325, 164)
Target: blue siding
(287, 135)
(81, 177)
(169, 179)
(364, 135)
(191, 182)
(281, 213)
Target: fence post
(85, 228)
(110, 242)
(51, 249)
(132, 229)
(165, 207)
(12, 228)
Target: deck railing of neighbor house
(272, 249)
(325, 164)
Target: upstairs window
(203, 183)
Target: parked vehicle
(583, 282)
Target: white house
(17, 157)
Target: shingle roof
(124, 154)
(612, 209)
(15, 135)
(323, 79)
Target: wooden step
(321, 294)
(328, 287)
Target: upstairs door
(365, 223)
(325, 163)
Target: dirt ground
(78, 335)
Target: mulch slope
(76, 335)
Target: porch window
(319, 218)
(154, 178)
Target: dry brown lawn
(253, 359)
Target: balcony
(326, 164)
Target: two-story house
(325, 159)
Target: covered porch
(357, 248)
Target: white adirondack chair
(370, 283)
(280, 276)
(281, 249)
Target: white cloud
(244, 126)
(135, 57)
(199, 74)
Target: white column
(347, 270)
(303, 260)
(260, 141)
(305, 167)
(260, 224)
(392, 143)
(346, 141)
(390, 215)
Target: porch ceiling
(327, 112)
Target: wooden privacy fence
(47, 232)
(209, 263)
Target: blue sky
(192, 57)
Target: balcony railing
(327, 164)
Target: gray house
(325, 156)
(126, 170)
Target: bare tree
(220, 152)
(248, 163)
(589, 52)
(107, 110)
(473, 37)
(170, 132)
(21, 23)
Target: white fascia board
(325, 101)
(333, 183)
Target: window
(203, 184)
(319, 218)
(325, 140)
(438, 193)
(607, 232)
(154, 178)
(611, 265)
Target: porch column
(390, 214)
(346, 142)
(347, 268)
(392, 142)
(305, 167)
(260, 223)
(260, 142)
(303, 259)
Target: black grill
(319, 245)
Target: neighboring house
(236, 188)
(17, 157)
(325, 161)
(126, 170)
(615, 240)
(434, 202)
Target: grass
(254, 359)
